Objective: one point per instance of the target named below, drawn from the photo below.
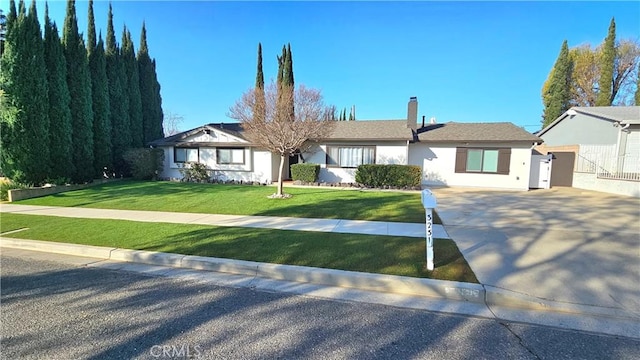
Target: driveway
(563, 244)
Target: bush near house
(305, 172)
(145, 164)
(389, 175)
(194, 172)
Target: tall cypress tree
(24, 78)
(259, 110)
(60, 140)
(100, 97)
(79, 83)
(607, 64)
(557, 96)
(133, 85)
(118, 99)
(8, 109)
(157, 129)
(281, 82)
(289, 82)
(149, 92)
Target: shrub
(196, 172)
(389, 175)
(305, 172)
(145, 164)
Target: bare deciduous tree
(171, 123)
(269, 123)
(586, 73)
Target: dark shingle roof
(475, 132)
(371, 130)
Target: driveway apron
(562, 244)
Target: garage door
(562, 168)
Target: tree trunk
(279, 193)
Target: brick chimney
(412, 113)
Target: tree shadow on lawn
(353, 252)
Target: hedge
(305, 172)
(389, 175)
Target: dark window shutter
(461, 160)
(504, 161)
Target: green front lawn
(244, 200)
(374, 254)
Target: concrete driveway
(563, 244)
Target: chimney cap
(413, 98)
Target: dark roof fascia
(208, 144)
(364, 139)
(527, 142)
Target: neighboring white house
(607, 139)
(494, 155)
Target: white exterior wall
(387, 153)
(620, 187)
(257, 164)
(438, 167)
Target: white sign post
(429, 203)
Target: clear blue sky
(465, 61)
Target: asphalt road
(57, 310)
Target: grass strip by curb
(392, 255)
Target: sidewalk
(265, 222)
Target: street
(58, 310)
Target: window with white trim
(350, 156)
(230, 156)
(183, 155)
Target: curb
(443, 289)
(487, 295)
(506, 298)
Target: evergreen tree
(351, 116)
(60, 139)
(133, 85)
(24, 79)
(607, 64)
(149, 92)
(118, 99)
(557, 94)
(157, 130)
(8, 109)
(79, 83)
(289, 81)
(259, 109)
(100, 97)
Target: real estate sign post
(429, 203)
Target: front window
(481, 160)
(350, 156)
(183, 155)
(230, 156)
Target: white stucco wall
(386, 153)
(591, 182)
(438, 167)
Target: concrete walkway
(265, 222)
